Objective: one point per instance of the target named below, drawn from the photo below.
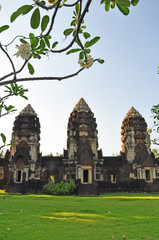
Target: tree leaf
(124, 2)
(31, 71)
(44, 22)
(42, 43)
(23, 41)
(86, 35)
(10, 107)
(35, 43)
(28, 10)
(134, 2)
(88, 50)
(101, 61)
(47, 41)
(107, 6)
(68, 31)
(31, 36)
(54, 44)
(91, 42)
(20, 11)
(73, 23)
(35, 19)
(77, 8)
(73, 51)
(81, 55)
(112, 5)
(3, 28)
(3, 138)
(123, 9)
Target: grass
(111, 216)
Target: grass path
(112, 216)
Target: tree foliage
(155, 127)
(41, 41)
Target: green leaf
(28, 10)
(9, 108)
(101, 61)
(44, 22)
(42, 43)
(112, 5)
(31, 36)
(77, 42)
(23, 41)
(3, 138)
(81, 55)
(54, 44)
(35, 43)
(77, 8)
(31, 71)
(123, 9)
(107, 6)
(3, 28)
(88, 50)
(86, 35)
(73, 23)
(47, 41)
(124, 2)
(21, 10)
(73, 51)
(68, 31)
(35, 19)
(134, 2)
(92, 42)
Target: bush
(62, 188)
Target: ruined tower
(81, 124)
(83, 163)
(134, 134)
(25, 148)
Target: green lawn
(40, 217)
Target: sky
(129, 46)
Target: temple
(24, 169)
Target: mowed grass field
(111, 216)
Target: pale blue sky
(129, 45)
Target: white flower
(24, 51)
(86, 63)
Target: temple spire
(28, 110)
(82, 106)
(132, 113)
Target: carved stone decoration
(134, 131)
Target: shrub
(62, 188)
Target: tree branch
(12, 73)
(53, 19)
(9, 60)
(71, 5)
(43, 78)
(77, 31)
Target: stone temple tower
(25, 148)
(81, 124)
(83, 163)
(134, 135)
